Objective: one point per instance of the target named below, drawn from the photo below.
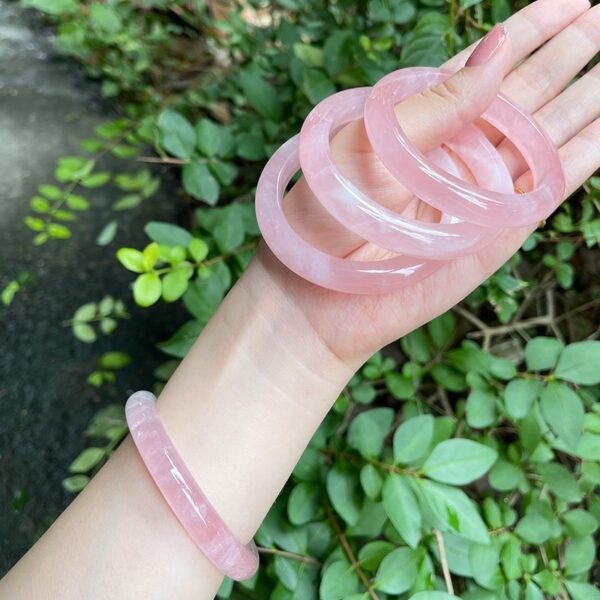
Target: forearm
(241, 408)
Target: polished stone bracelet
(183, 495)
(472, 215)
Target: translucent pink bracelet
(187, 501)
(473, 215)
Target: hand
(563, 35)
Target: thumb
(438, 113)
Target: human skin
(244, 403)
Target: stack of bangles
(472, 216)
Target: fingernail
(488, 46)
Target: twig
(301, 557)
(166, 160)
(444, 561)
(350, 554)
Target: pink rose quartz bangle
(182, 493)
(472, 215)
(446, 192)
(375, 223)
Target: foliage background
(462, 460)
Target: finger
(562, 119)
(545, 74)
(581, 157)
(532, 26)
(438, 113)
(427, 118)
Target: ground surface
(46, 107)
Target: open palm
(557, 39)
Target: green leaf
(84, 333)
(533, 592)
(87, 460)
(228, 229)
(449, 378)
(425, 44)
(75, 202)
(176, 134)
(209, 136)
(182, 340)
(107, 325)
(203, 296)
(459, 461)
(131, 259)
(127, 202)
(413, 438)
(105, 18)
(457, 554)
(150, 256)
(400, 386)
(223, 171)
(534, 528)
(560, 481)
(368, 429)
(402, 508)
(114, 360)
(511, 557)
(519, 396)
(39, 204)
(175, 283)
(337, 52)
(441, 329)
(96, 180)
(53, 7)
(304, 503)
(580, 523)
(481, 409)
(452, 510)
(58, 231)
(541, 353)
(316, 85)
(371, 554)
(484, 560)
(580, 554)
(167, 234)
(501, 10)
(506, 476)
(198, 249)
(338, 582)
(588, 447)
(311, 56)
(262, 96)
(580, 363)
(397, 572)
(371, 481)
(75, 483)
(563, 411)
(107, 233)
(85, 312)
(344, 492)
(582, 591)
(147, 289)
(199, 182)
(8, 293)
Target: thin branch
(166, 160)
(301, 557)
(444, 561)
(350, 554)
